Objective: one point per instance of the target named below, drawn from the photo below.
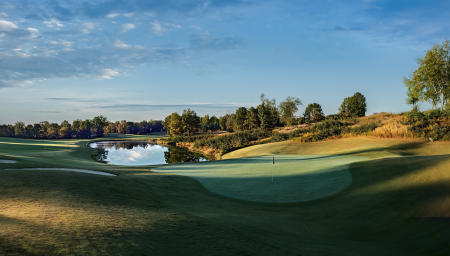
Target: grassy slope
(368, 146)
(395, 206)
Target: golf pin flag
(273, 159)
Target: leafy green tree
(174, 125)
(98, 123)
(431, 80)
(354, 106)
(313, 113)
(288, 108)
(53, 131)
(191, 122)
(85, 129)
(65, 130)
(252, 121)
(204, 123)
(214, 123)
(43, 129)
(226, 122)
(267, 113)
(19, 129)
(239, 119)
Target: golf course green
(349, 196)
(280, 179)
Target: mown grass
(397, 204)
(297, 178)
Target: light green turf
(296, 178)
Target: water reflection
(142, 153)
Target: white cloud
(157, 28)
(87, 27)
(127, 27)
(2, 14)
(112, 15)
(161, 28)
(109, 73)
(121, 45)
(53, 23)
(128, 15)
(20, 53)
(7, 25)
(33, 32)
(67, 44)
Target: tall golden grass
(392, 128)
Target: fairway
(352, 196)
(293, 178)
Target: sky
(143, 59)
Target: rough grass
(372, 147)
(397, 204)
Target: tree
(85, 129)
(53, 131)
(214, 123)
(19, 129)
(239, 119)
(190, 121)
(267, 113)
(65, 130)
(287, 110)
(354, 106)
(226, 122)
(173, 124)
(313, 113)
(430, 81)
(98, 123)
(204, 123)
(252, 121)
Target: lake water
(142, 153)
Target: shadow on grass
(352, 221)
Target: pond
(142, 153)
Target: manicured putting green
(296, 178)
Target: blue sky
(140, 60)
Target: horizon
(145, 59)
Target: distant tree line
(80, 129)
(265, 116)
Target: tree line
(265, 116)
(79, 129)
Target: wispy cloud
(174, 107)
(127, 27)
(208, 42)
(7, 25)
(52, 23)
(87, 27)
(161, 28)
(58, 40)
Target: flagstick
(273, 163)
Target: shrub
(229, 142)
(363, 128)
(329, 128)
(323, 130)
(276, 136)
(433, 124)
